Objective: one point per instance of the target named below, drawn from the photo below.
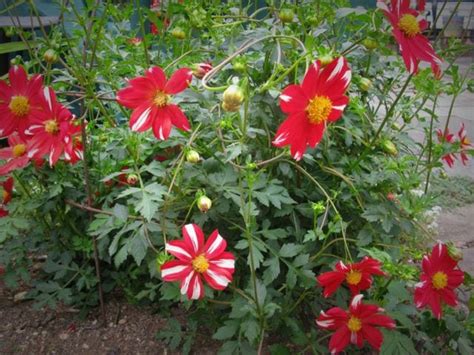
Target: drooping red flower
(358, 276)
(446, 137)
(318, 100)
(196, 260)
(136, 41)
(128, 177)
(354, 326)
(7, 192)
(16, 154)
(19, 101)
(150, 98)
(438, 280)
(407, 30)
(465, 144)
(52, 130)
(73, 150)
(201, 69)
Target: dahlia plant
(281, 132)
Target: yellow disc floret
(51, 127)
(353, 277)
(18, 150)
(409, 25)
(161, 99)
(200, 264)
(440, 280)
(319, 109)
(354, 324)
(5, 195)
(19, 106)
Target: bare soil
(129, 329)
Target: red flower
(149, 96)
(136, 41)
(19, 101)
(446, 137)
(73, 150)
(52, 130)
(7, 192)
(355, 325)
(439, 279)
(358, 276)
(465, 143)
(16, 154)
(201, 69)
(197, 260)
(407, 30)
(319, 99)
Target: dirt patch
(130, 329)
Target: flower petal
(193, 237)
(179, 81)
(293, 99)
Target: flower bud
(391, 196)
(50, 56)
(370, 44)
(325, 59)
(193, 157)
(136, 41)
(389, 147)
(201, 69)
(286, 15)
(365, 84)
(454, 252)
(239, 65)
(232, 98)
(132, 179)
(204, 204)
(162, 258)
(178, 33)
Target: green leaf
(10, 47)
(121, 212)
(227, 331)
(290, 249)
(138, 246)
(251, 330)
(273, 270)
(396, 343)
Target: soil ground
(130, 329)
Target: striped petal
(193, 237)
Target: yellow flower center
(319, 109)
(440, 280)
(354, 324)
(353, 277)
(18, 150)
(5, 195)
(161, 99)
(19, 106)
(51, 127)
(409, 25)
(200, 264)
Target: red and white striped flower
(440, 277)
(355, 326)
(408, 27)
(6, 187)
(357, 276)
(150, 98)
(52, 130)
(16, 155)
(465, 144)
(446, 137)
(19, 101)
(197, 260)
(318, 100)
